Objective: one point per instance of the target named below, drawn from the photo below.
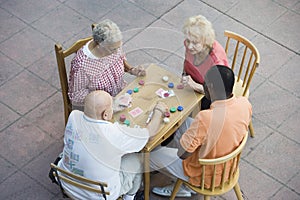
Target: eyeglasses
(195, 44)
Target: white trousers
(131, 173)
(165, 159)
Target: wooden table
(146, 99)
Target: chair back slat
(76, 46)
(80, 181)
(227, 45)
(245, 59)
(252, 71)
(213, 178)
(232, 170)
(75, 176)
(235, 55)
(203, 178)
(223, 175)
(242, 65)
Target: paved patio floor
(32, 123)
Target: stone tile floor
(32, 123)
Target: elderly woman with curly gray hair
(100, 64)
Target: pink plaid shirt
(89, 73)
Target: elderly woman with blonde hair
(202, 52)
(100, 65)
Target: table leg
(146, 176)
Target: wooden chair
(226, 184)
(78, 181)
(61, 55)
(245, 60)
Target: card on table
(160, 92)
(125, 100)
(136, 112)
(164, 93)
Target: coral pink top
(216, 57)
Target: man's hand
(121, 102)
(158, 113)
(161, 106)
(138, 71)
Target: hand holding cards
(122, 102)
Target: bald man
(100, 150)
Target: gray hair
(201, 28)
(107, 31)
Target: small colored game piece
(122, 118)
(127, 122)
(165, 78)
(180, 108)
(166, 94)
(166, 120)
(135, 89)
(173, 109)
(141, 82)
(180, 86)
(171, 85)
(167, 114)
(129, 91)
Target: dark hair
(222, 79)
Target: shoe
(167, 191)
(139, 195)
(189, 190)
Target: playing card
(136, 112)
(125, 100)
(165, 93)
(160, 92)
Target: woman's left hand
(138, 71)
(187, 80)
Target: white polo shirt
(93, 149)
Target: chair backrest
(78, 181)
(61, 55)
(245, 60)
(226, 166)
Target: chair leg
(176, 188)
(251, 129)
(238, 192)
(146, 176)
(206, 197)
